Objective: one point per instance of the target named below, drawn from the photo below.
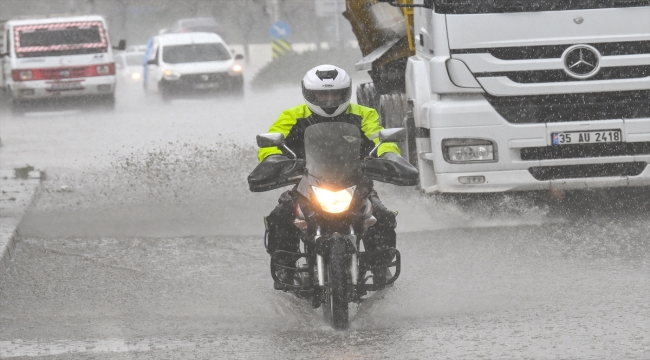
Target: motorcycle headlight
(334, 201)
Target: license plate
(206, 86)
(586, 137)
(66, 86)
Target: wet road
(146, 244)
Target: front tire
(335, 309)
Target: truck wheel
(392, 109)
(362, 99)
(369, 96)
(410, 147)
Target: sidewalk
(17, 196)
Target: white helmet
(327, 90)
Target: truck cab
(503, 95)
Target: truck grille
(556, 51)
(546, 76)
(543, 173)
(585, 151)
(572, 107)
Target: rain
(141, 237)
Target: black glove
(391, 168)
(274, 172)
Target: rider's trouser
(284, 235)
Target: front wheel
(335, 309)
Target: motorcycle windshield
(332, 151)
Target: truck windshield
(176, 54)
(506, 6)
(60, 39)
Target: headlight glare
(334, 201)
(171, 74)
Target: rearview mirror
(270, 140)
(392, 135)
(152, 62)
(239, 57)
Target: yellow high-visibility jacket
(293, 122)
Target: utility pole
(275, 9)
(337, 29)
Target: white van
(55, 58)
(191, 63)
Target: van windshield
(176, 54)
(60, 39)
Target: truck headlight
(458, 151)
(169, 74)
(334, 201)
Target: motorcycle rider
(326, 90)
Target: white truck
(519, 95)
(56, 58)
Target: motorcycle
(333, 183)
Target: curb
(29, 190)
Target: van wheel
(17, 108)
(165, 95)
(107, 102)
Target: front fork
(354, 264)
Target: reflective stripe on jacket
(293, 122)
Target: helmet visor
(327, 98)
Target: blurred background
(243, 22)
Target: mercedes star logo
(581, 61)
